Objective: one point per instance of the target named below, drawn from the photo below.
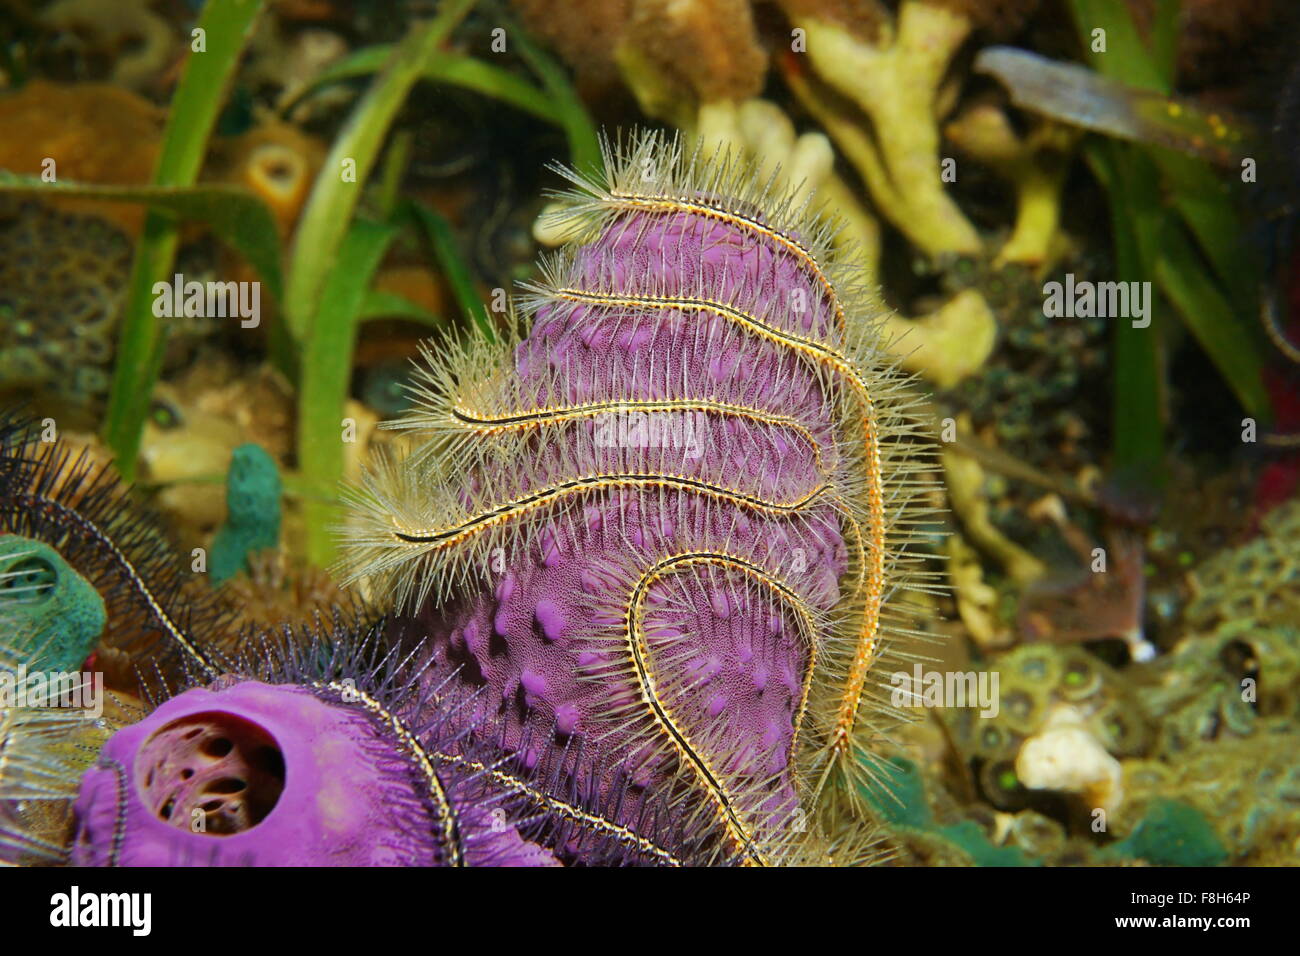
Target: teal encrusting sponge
(899, 799)
(1172, 833)
(50, 616)
(899, 795)
(252, 512)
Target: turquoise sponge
(252, 512)
(1172, 833)
(970, 839)
(52, 617)
(899, 798)
(899, 795)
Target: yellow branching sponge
(674, 517)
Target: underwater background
(1058, 422)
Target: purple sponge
(724, 657)
(661, 487)
(269, 775)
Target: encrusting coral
(631, 575)
(62, 284)
(1190, 753)
(1064, 722)
(1226, 695)
(1245, 788)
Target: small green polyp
(52, 617)
(252, 512)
